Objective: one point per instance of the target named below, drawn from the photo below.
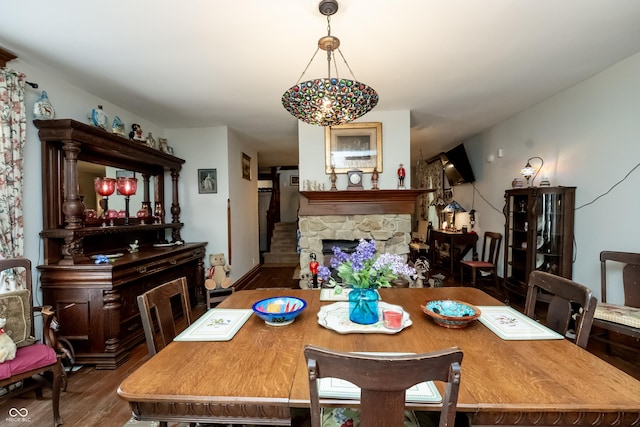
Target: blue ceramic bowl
(451, 313)
(279, 311)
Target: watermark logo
(18, 415)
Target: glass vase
(363, 306)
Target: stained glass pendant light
(332, 100)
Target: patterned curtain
(13, 126)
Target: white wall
(395, 150)
(245, 239)
(588, 138)
(205, 215)
(289, 196)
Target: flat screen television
(456, 166)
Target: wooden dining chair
(383, 381)
(562, 294)
(487, 265)
(157, 313)
(33, 360)
(619, 318)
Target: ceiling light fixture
(333, 100)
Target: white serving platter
(336, 317)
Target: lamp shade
(127, 185)
(104, 186)
(329, 101)
(454, 207)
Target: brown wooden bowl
(451, 313)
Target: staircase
(284, 244)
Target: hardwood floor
(91, 398)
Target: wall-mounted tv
(456, 166)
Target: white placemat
(217, 324)
(510, 324)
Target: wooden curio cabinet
(96, 303)
(539, 234)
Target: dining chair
(562, 294)
(33, 360)
(383, 381)
(157, 313)
(619, 318)
(487, 265)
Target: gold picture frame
(353, 146)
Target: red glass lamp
(104, 187)
(128, 187)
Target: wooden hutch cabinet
(96, 303)
(538, 234)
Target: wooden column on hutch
(539, 234)
(96, 303)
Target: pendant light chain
(305, 69)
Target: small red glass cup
(392, 318)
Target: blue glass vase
(363, 306)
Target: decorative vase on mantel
(363, 306)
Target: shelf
(360, 202)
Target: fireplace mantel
(359, 202)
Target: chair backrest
(17, 265)
(563, 292)
(630, 275)
(491, 247)
(383, 381)
(157, 313)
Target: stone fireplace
(383, 216)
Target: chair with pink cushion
(34, 360)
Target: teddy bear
(7, 346)
(218, 276)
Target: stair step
(281, 257)
(285, 226)
(283, 247)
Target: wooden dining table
(260, 375)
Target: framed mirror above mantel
(71, 151)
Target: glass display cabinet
(539, 234)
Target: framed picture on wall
(246, 167)
(353, 146)
(294, 180)
(207, 181)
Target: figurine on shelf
(151, 142)
(42, 109)
(333, 178)
(136, 133)
(313, 267)
(133, 247)
(374, 179)
(401, 175)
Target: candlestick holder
(104, 187)
(127, 186)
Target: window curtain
(13, 126)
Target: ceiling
(458, 66)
